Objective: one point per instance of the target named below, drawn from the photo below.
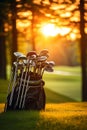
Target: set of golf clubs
(27, 71)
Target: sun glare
(53, 30)
(49, 30)
(64, 31)
(73, 36)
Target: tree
(83, 46)
(2, 43)
(14, 28)
(2, 51)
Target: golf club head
(30, 53)
(22, 57)
(33, 57)
(17, 54)
(49, 69)
(19, 64)
(44, 64)
(43, 52)
(41, 58)
(15, 64)
(52, 63)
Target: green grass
(62, 111)
(62, 116)
(53, 97)
(65, 84)
(74, 69)
(3, 90)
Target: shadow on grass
(53, 97)
(19, 120)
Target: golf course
(64, 109)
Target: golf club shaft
(25, 92)
(19, 88)
(13, 86)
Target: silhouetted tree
(2, 51)
(83, 46)
(14, 28)
(2, 42)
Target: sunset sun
(49, 30)
(52, 30)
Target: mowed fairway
(66, 81)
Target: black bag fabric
(35, 98)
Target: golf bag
(35, 96)
(26, 86)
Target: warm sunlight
(49, 30)
(21, 25)
(73, 36)
(64, 31)
(52, 30)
